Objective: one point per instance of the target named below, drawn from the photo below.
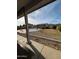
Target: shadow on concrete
(35, 55)
(38, 54)
(24, 53)
(27, 53)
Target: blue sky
(50, 13)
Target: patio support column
(27, 29)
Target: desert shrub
(54, 27)
(59, 28)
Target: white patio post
(27, 29)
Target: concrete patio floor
(41, 51)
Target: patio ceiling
(30, 5)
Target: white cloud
(35, 13)
(20, 21)
(32, 21)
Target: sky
(50, 14)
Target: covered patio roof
(30, 5)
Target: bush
(54, 27)
(59, 28)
